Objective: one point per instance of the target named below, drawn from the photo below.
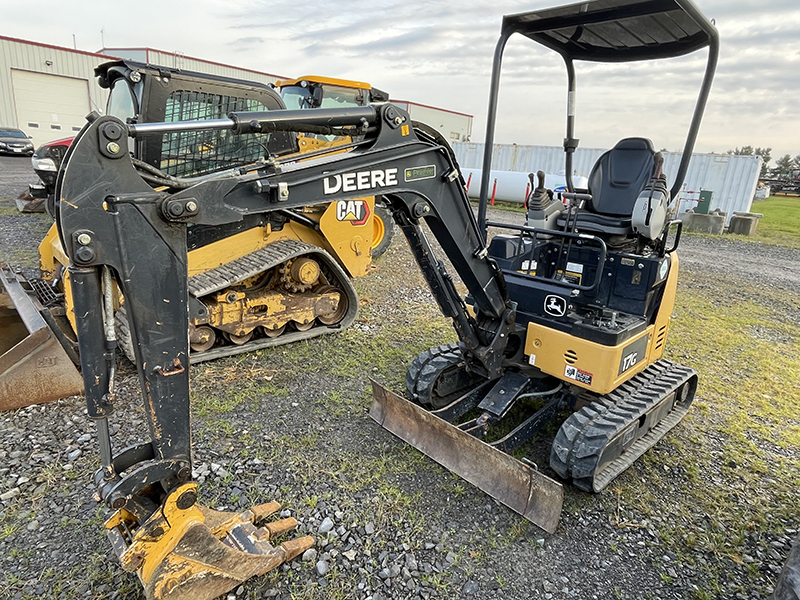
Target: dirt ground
(290, 424)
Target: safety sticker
(578, 375)
(532, 360)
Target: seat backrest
(619, 175)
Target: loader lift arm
(119, 228)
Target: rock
(86, 437)
(74, 454)
(12, 493)
(323, 568)
(470, 588)
(350, 555)
(326, 526)
(384, 573)
(33, 525)
(309, 555)
(369, 528)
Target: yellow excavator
(253, 285)
(568, 313)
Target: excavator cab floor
(509, 481)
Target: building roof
(147, 50)
(61, 48)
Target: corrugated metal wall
(733, 179)
(16, 54)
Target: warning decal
(578, 375)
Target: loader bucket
(34, 367)
(520, 487)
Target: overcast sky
(440, 53)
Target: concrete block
(744, 223)
(714, 222)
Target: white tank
(513, 186)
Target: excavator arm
(119, 231)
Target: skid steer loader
(296, 280)
(570, 315)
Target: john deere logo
(555, 306)
(355, 211)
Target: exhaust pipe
(34, 367)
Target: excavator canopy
(616, 30)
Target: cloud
(440, 53)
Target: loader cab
(141, 93)
(597, 274)
(312, 91)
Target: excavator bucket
(185, 551)
(520, 487)
(34, 367)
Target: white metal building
(454, 126)
(732, 178)
(47, 91)
(177, 60)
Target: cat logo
(355, 211)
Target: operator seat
(615, 182)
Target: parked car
(47, 160)
(14, 141)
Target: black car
(14, 141)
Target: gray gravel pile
(388, 523)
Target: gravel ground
(290, 424)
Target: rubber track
(580, 441)
(249, 265)
(419, 383)
(243, 268)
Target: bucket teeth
(277, 528)
(199, 553)
(262, 511)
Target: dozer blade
(34, 367)
(196, 553)
(521, 488)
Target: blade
(521, 488)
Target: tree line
(783, 165)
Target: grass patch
(781, 221)
(728, 482)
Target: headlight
(44, 164)
(2, 144)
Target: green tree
(764, 153)
(783, 165)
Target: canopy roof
(616, 30)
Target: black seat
(615, 182)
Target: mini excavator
(569, 311)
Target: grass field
(781, 221)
